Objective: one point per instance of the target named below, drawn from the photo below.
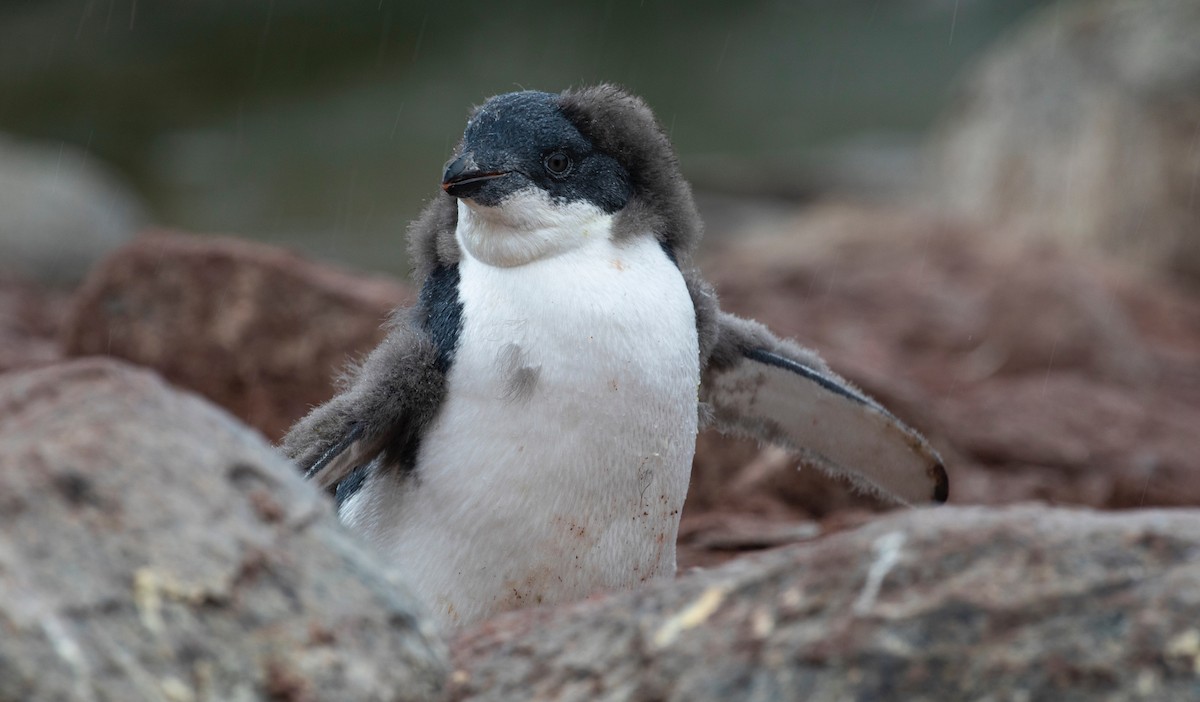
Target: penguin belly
(559, 461)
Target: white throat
(528, 226)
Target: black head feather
(524, 140)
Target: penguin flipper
(384, 405)
(340, 459)
(776, 391)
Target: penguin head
(521, 144)
(552, 164)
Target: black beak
(464, 177)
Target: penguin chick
(524, 435)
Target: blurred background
(324, 125)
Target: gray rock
(1084, 128)
(153, 548)
(1024, 603)
(255, 328)
(60, 211)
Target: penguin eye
(557, 163)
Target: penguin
(524, 434)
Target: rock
(31, 317)
(256, 329)
(948, 603)
(1038, 375)
(153, 548)
(1084, 128)
(60, 211)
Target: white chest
(559, 462)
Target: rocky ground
(950, 604)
